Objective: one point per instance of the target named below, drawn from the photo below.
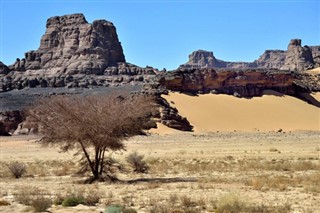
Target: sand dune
(163, 130)
(314, 71)
(316, 95)
(270, 112)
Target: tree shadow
(162, 180)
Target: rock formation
(3, 69)
(271, 59)
(247, 83)
(74, 53)
(315, 50)
(9, 121)
(71, 45)
(296, 58)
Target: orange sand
(163, 130)
(316, 95)
(270, 112)
(314, 71)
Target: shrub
(17, 169)
(187, 202)
(73, 200)
(41, 204)
(26, 195)
(58, 200)
(4, 203)
(34, 197)
(136, 161)
(92, 198)
(231, 203)
(129, 210)
(113, 209)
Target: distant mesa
(296, 58)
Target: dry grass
(263, 181)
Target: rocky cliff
(71, 45)
(296, 58)
(247, 83)
(74, 53)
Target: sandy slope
(316, 95)
(163, 130)
(272, 111)
(314, 71)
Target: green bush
(113, 209)
(73, 200)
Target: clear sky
(162, 33)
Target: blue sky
(163, 33)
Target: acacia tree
(93, 125)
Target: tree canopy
(100, 122)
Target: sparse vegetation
(138, 164)
(41, 204)
(231, 203)
(193, 182)
(73, 200)
(37, 198)
(80, 196)
(17, 169)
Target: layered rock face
(243, 83)
(71, 45)
(296, 58)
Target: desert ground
(233, 163)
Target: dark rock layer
(247, 83)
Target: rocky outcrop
(296, 58)
(202, 59)
(271, 59)
(74, 53)
(247, 83)
(9, 121)
(71, 45)
(3, 69)
(171, 118)
(205, 59)
(315, 50)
